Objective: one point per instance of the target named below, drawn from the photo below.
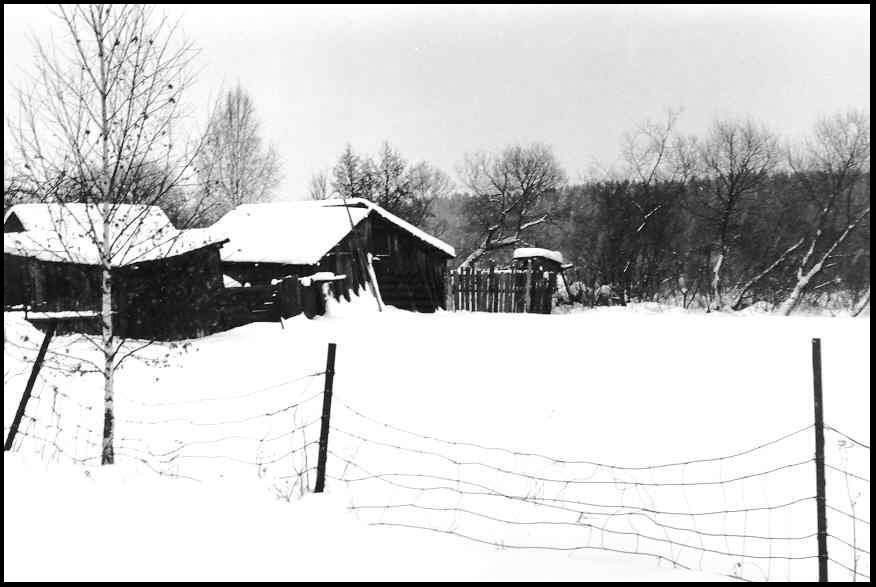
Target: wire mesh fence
(729, 514)
(749, 514)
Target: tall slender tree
(100, 111)
(236, 166)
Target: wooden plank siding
(164, 299)
(410, 273)
(479, 290)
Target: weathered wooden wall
(164, 299)
(409, 272)
(169, 298)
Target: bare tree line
(727, 218)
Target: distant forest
(721, 221)
(600, 228)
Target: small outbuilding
(164, 281)
(354, 238)
(542, 259)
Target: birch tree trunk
(862, 304)
(107, 456)
(737, 304)
(804, 277)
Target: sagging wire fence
(269, 431)
(751, 514)
(524, 500)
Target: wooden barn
(353, 238)
(165, 282)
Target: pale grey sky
(440, 81)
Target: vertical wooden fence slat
(527, 299)
(474, 291)
(513, 291)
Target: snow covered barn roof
(299, 233)
(72, 232)
(528, 252)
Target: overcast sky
(440, 81)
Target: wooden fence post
(34, 371)
(513, 290)
(448, 291)
(326, 416)
(527, 300)
(494, 289)
(820, 493)
(468, 288)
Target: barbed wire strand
(488, 491)
(578, 524)
(849, 544)
(226, 422)
(223, 398)
(848, 515)
(844, 472)
(570, 461)
(847, 437)
(572, 481)
(849, 569)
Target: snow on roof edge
(254, 237)
(261, 233)
(416, 232)
(50, 247)
(526, 252)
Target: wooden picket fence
(506, 290)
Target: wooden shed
(353, 237)
(164, 282)
(542, 259)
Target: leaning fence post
(820, 494)
(34, 371)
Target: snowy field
(609, 444)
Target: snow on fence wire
(698, 514)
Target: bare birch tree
(236, 166)
(100, 112)
(831, 167)
(861, 304)
(508, 190)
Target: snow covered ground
(590, 410)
